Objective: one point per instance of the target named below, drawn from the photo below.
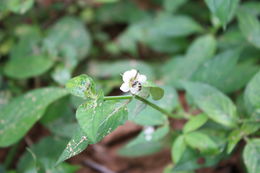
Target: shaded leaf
(140, 146)
(22, 112)
(44, 160)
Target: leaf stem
(118, 97)
(163, 111)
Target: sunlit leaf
(215, 104)
(98, 118)
(251, 155)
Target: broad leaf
(252, 96)
(22, 112)
(224, 10)
(250, 26)
(98, 118)
(251, 155)
(173, 6)
(26, 57)
(182, 68)
(25, 67)
(217, 69)
(202, 142)
(214, 103)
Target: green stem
(118, 97)
(129, 97)
(10, 156)
(154, 106)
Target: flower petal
(141, 78)
(128, 75)
(125, 87)
(134, 90)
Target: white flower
(148, 132)
(133, 81)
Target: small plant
(184, 73)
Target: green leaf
(249, 26)
(68, 40)
(31, 66)
(214, 103)
(189, 161)
(22, 112)
(76, 145)
(120, 12)
(82, 86)
(98, 118)
(252, 96)
(251, 155)
(68, 36)
(140, 146)
(42, 159)
(239, 76)
(26, 57)
(179, 26)
(178, 148)
(216, 70)
(17, 6)
(142, 149)
(182, 68)
(202, 142)
(173, 6)
(236, 135)
(149, 116)
(156, 92)
(224, 10)
(195, 122)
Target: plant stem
(10, 156)
(118, 97)
(163, 111)
(142, 100)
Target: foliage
(61, 66)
